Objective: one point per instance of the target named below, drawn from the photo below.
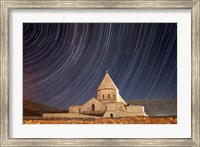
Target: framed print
(100, 73)
(108, 106)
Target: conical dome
(108, 92)
(107, 83)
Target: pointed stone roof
(107, 83)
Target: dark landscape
(36, 109)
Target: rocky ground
(127, 120)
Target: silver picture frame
(7, 5)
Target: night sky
(64, 63)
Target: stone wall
(93, 107)
(65, 115)
(117, 110)
(134, 108)
(116, 114)
(115, 106)
(74, 109)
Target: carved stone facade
(108, 103)
(93, 107)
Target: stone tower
(108, 92)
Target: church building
(108, 103)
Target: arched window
(111, 115)
(93, 107)
(113, 95)
(103, 96)
(108, 95)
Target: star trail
(64, 63)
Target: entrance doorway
(93, 107)
(111, 115)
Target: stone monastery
(108, 103)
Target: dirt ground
(126, 120)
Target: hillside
(36, 109)
(157, 107)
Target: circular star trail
(64, 63)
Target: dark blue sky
(63, 64)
